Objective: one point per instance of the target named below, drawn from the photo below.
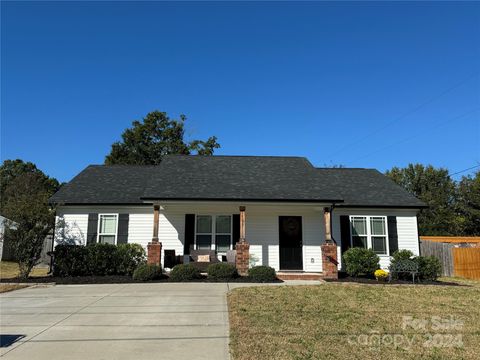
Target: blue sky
(359, 84)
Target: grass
(355, 321)
(9, 270)
(9, 287)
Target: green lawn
(9, 269)
(350, 321)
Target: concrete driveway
(118, 321)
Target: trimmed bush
(262, 273)
(102, 259)
(222, 271)
(402, 255)
(360, 261)
(429, 267)
(147, 272)
(184, 272)
(70, 260)
(97, 259)
(130, 257)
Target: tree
(147, 141)
(468, 205)
(12, 169)
(437, 190)
(27, 206)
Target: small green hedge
(429, 268)
(360, 261)
(147, 272)
(222, 271)
(262, 273)
(97, 259)
(184, 272)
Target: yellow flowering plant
(381, 275)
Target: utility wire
(462, 171)
(417, 135)
(404, 115)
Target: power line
(404, 115)
(462, 171)
(417, 135)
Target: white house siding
(76, 221)
(262, 226)
(406, 228)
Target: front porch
(285, 237)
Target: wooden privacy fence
(466, 262)
(442, 251)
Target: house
(277, 211)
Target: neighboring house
(282, 209)
(5, 251)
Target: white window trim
(213, 244)
(369, 232)
(108, 234)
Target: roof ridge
(239, 156)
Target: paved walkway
(117, 321)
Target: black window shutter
(122, 235)
(345, 232)
(392, 234)
(189, 233)
(92, 228)
(235, 228)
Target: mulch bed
(372, 281)
(113, 279)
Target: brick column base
(154, 253)
(329, 261)
(242, 258)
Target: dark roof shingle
(254, 178)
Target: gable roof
(242, 178)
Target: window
(370, 232)
(204, 232)
(107, 228)
(221, 232)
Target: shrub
(222, 271)
(70, 260)
(130, 256)
(360, 261)
(102, 259)
(97, 259)
(147, 272)
(262, 273)
(381, 275)
(184, 272)
(402, 255)
(429, 267)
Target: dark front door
(290, 243)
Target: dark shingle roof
(260, 178)
(367, 187)
(238, 177)
(100, 184)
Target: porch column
(329, 249)
(328, 221)
(154, 248)
(242, 257)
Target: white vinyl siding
(406, 228)
(262, 226)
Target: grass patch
(7, 287)
(9, 270)
(328, 321)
